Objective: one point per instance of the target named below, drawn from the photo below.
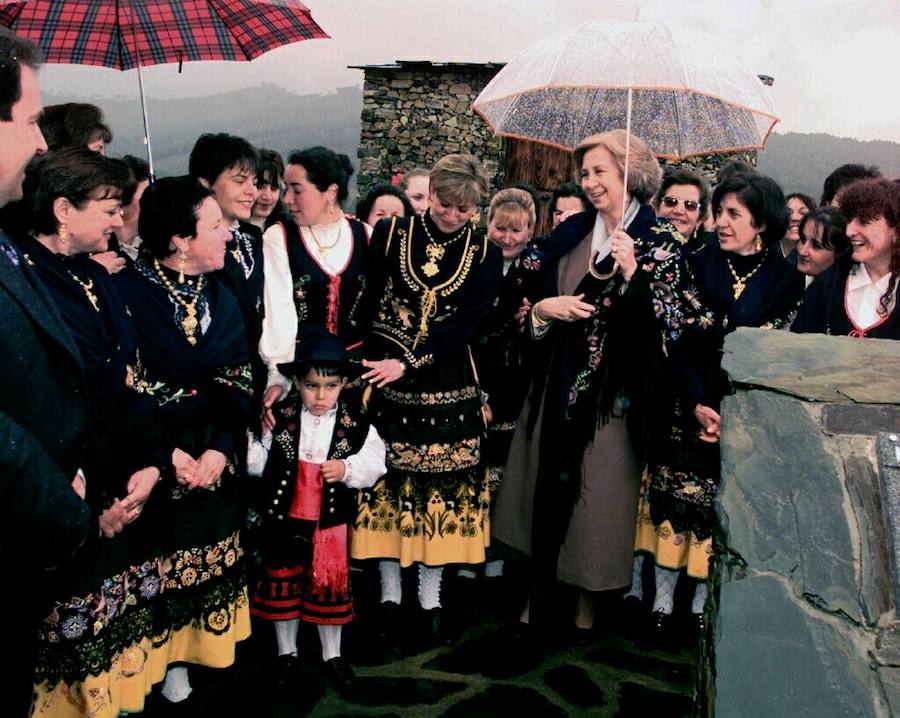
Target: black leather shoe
(388, 612)
(659, 622)
(286, 668)
(699, 623)
(341, 676)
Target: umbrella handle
(597, 275)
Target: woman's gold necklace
(740, 283)
(86, 288)
(435, 250)
(323, 248)
(189, 323)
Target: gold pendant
(189, 324)
(430, 268)
(739, 287)
(92, 298)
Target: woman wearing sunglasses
(683, 199)
(743, 280)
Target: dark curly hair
(365, 204)
(764, 200)
(76, 173)
(169, 209)
(867, 200)
(324, 168)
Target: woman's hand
(565, 308)
(139, 487)
(523, 312)
(209, 468)
(622, 250)
(333, 470)
(488, 414)
(110, 261)
(114, 519)
(710, 423)
(184, 465)
(78, 485)
(383, 372)
(273, 394)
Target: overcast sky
(834, 62)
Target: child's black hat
(321, 349)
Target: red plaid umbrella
(126, 34)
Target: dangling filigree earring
(182, 263)
(758, 243)
(63, 234)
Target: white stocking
(700, 594)
(637, 582)
(494, 569)
(177, 686)
(286, 636)
(391, 588)
(330, 638)
(430, 586)
(666, 579)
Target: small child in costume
(319, 452)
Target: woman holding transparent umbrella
(571, 483)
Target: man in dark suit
(43, 412)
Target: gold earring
(182, 263)
(63, 234)
(758, 243)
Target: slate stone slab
(815, 366)
(864, 419)
(875, 572)
(781, 500)
(638, 700)
(663, 670)
(575, 686)
(503, 700)
(386, 691)
(888, 450)
(775, 659)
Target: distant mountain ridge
(800, 162)
(271, 116)
(268, 116)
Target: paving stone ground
(621, 670)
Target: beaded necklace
(189, 323)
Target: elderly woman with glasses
(683, 200)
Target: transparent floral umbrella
(683, 93)
(677, 89)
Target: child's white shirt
(363, 468)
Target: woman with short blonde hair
(570, 486)
(644, 172)
(431, 280)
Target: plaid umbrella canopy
(127, 34)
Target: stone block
(460, 90)
(863, 419)
(401, 84)
(875, 572)
(781, 499)
(890, 681)
(815, 366)
(775, 657)
(888, 450)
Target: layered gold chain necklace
(87, 287)
(189, 323)
(435, 250)
(740, 283)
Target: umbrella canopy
(688, 95)
(124, 34)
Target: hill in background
(270, 116)
(801, 162)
